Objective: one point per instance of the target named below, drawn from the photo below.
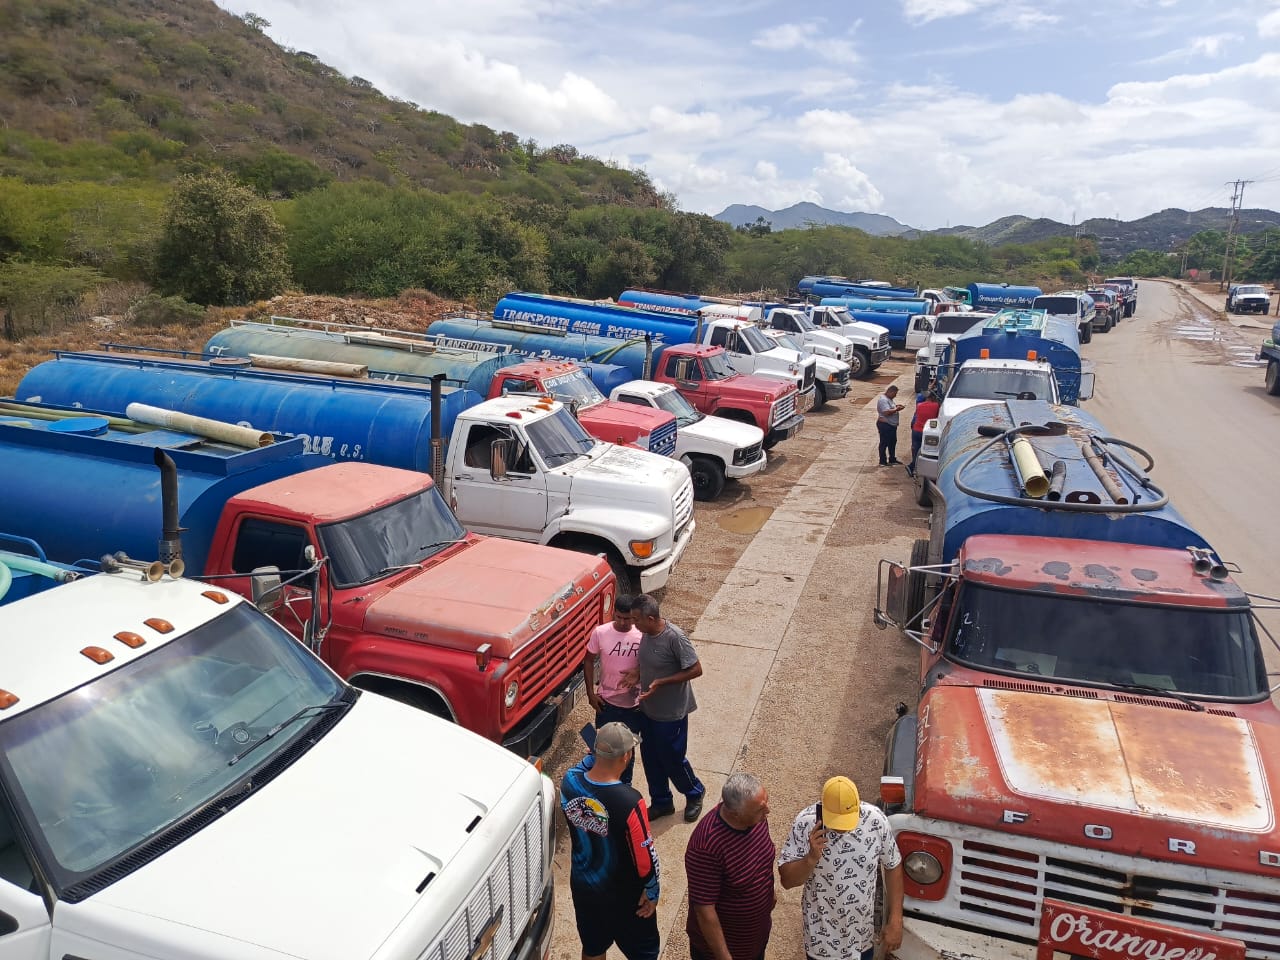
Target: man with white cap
(836, 849)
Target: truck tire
(1273, 377)
(708, 478)
(859, 364)
(922, 380)
(916, 583)
(1086, 333)
(923, 497)
(819, 396)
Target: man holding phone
(836, 849)
(887, 410)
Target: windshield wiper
(314, 708)
(1159, 692)
(571, 454)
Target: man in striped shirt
(729, 862)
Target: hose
(16, 561)
(6, 578)
(1007, 435)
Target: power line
(1233, 229)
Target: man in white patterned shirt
(836, 849)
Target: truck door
(918, 330)
(514, 505)
(686, 374)
(269, 542)
(734, 347)
(24, 920)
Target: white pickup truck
(713, 448)
(975, 383)
(183, 780)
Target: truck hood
(630, 420)
(956, 405)
(752, 387)
(452, 596)
(624, 476)
(720, 430)
(860, 328)
(326, 861)
(1059, 767)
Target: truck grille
(883, 343)
(745, 455)
(842, 376)
(999, 883)
(548, 660)
(783, 410)
(682, 508)
(663, 440)
(514, 883)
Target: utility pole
(1233, 229)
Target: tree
(758, 229)
(220, 243)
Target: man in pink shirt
(614, 696)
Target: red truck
(488, 632)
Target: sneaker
(693, 809)
(911, 473)
(884, 464)
(658, 812)
(895, 463)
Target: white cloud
(666, 120)
(786, 36)
(1020, 15)
(844, 187)
(765, 170)
(1269, 25)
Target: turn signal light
(483, 654)
(130, 639)
(984, 353)
(642, 549)
(98, 655)
(893, 790)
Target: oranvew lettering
(1068, 928)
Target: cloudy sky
(936, 112)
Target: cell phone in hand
(588, 735)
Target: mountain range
(1165, 230)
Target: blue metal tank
(604, 358)
(1016, 335)
(830, 286)
(658, 301)
(387, 357)
(894, 321)
(594, 319)
(879, 306)
(83, 489)
(998, 296)
(959, 515)
(377, 421)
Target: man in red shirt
(729, 863)
(926, 410)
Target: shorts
(602, 925)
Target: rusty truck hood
(1133, 778)
(621, 423)
(500, 592)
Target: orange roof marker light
(1031, 354)
(98, 655)
(130, 639)
(984, 353)
(7, 699)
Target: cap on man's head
(615, 739)
(841, 806)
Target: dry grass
(412, 310)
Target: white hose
(246, 437)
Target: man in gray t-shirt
(887, 410)
(666, 662)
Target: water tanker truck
(999, 296)
(1270, 352)
(165, 745)
(701, 374)
(401, 355)
(400, 610)
(909, 327)
(814, 286)
(749, 350)
(1094, 724)
(515, 466)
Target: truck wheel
(923, 497)
(1086, 333)
(708, 478)
(600, 548)
(859, 364)
(820, 396)
(1273, 377)
(922, 380)
(916, 583)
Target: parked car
(1248, 298)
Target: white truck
(870, 340)
(1075, 306)
(750, 351)
(820, 343)
(713, 448)
(975, 383)
(523, 467)
(946, 326)
(831, 376)
(183, 780)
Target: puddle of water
(747, 520)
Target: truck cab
(1129, 288)
(713, 448)
(165, 744)
(870, 340)
(946, 327)
(626, 425)
(524, 466)
(751, 352)
(1071, 305)
(816, 341)
(831, 378)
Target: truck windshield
(574, 387)
(715, 366)
(839, 317)
(674, 403)
(1250, 290)
(1059, 306)
(756, 341)
(375, 544)
(560, 439)
(960, 324)
(1186, 650)
(992, 383)
(127, 758)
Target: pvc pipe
(1108, 482)
(231, 433)
(16, 561)
(329, 368)
(1034, 482)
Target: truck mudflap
(534, 943)
(656, 577)
(537, 729)
(784, 430)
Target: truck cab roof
(327, 495)
(1128, 571)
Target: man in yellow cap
(836, 849)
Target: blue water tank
(661, 302)
(960, 515)
(829, 286)
(387, 357)
(593, 319)
(998, 296)
(880, 306)
(375, 420)
(82, 495)
(893, 321)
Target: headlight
(643, 549)
(607, 606)
(930, 441)
(513, 690)
(643, 441)
(921, 867)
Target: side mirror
(264, 587)
(309, 554)
(1086, 385)
(498, 452)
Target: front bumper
(880, 355)
(535, 942)
(1252, 306)
(785, 430)
(656, 577)
(537, 729)
(836, 390)
(738, 471)
(925, 940)
(927, 467)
